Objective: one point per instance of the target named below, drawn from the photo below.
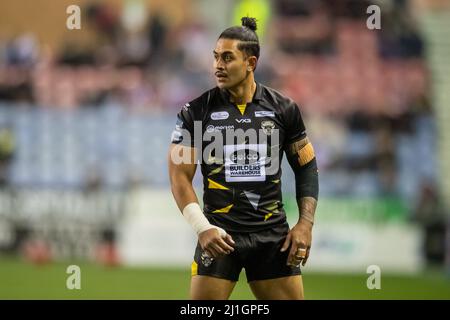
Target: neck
(244, 91)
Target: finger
(219, 250)
(212, 251)
(287, 242)
(296, 262)
(293, 252)
(306, 257)
(208, 253)
(223, 245)
(301, 253)
(304, 262)
(229, 240)
(295, 259)
(298, 252)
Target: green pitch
(19, 280)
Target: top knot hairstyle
(246, 34)
(249, 23)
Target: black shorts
(258, 252)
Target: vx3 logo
(244, 120)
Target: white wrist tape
(195, 217)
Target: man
(243, 224)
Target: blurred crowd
(319, 52)
(364, 93)
(137, 66)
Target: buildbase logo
(244, 156)
(245, 162)
(258, 148)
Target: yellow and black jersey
(242, 178)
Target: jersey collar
(258, 95)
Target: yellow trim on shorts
(194, 269)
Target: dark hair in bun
(249, 23)
(249, 42)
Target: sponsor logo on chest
(220, 115)
(261, 114)
(245, 162)
(212, 128)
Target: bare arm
(302, 160)
(306, 205)
(181, 174)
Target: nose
(218, 64)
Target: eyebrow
(228, 51)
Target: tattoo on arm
(307, 207)
(301, 153)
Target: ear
(251, 63)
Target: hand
(214, 244)
(299, 238)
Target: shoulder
(195, 109)
(278, 100)
(205, 99)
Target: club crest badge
(268, 126)
(206, 259)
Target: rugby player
(243, 223)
